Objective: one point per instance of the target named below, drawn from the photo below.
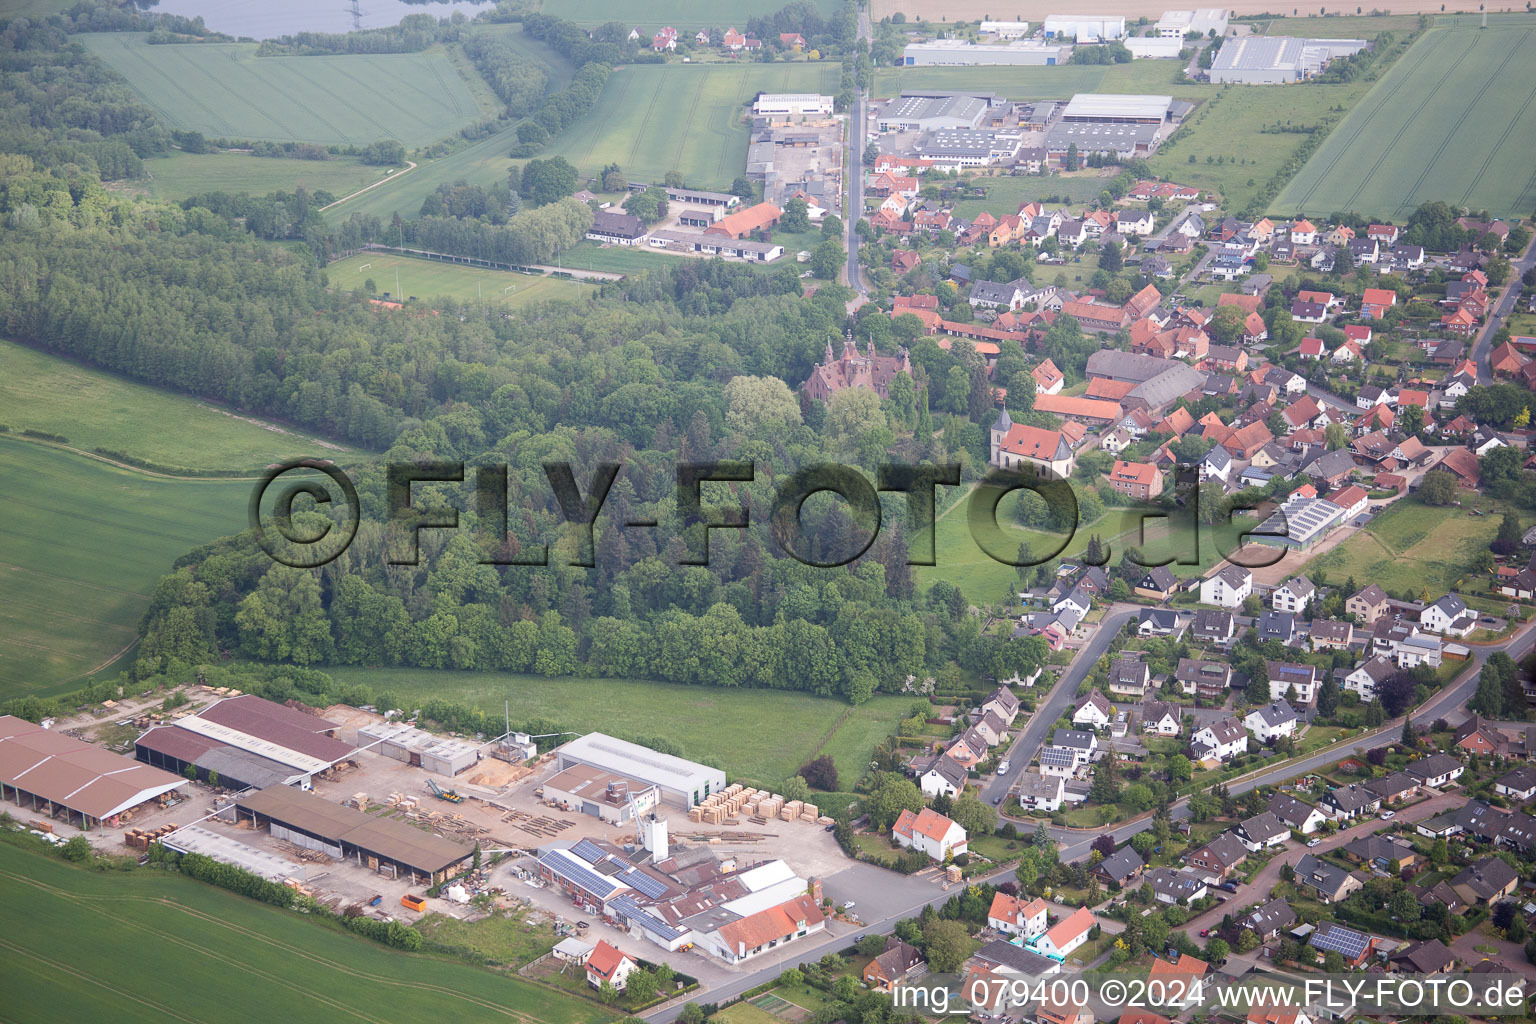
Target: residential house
(1220, 856)
(1160, 622)
(1207, 681)
(1519, 784)
(1272, 721)
(1220, 741)
(893, 966)
(1094, 710)
(1014, 445)
(1176, 887)
(1039, 792)
(1448, 616)
(1262, 831)
(1158, 583)
(1436, 770)
(1382, 851)
(929, 832)
(1430, 957)
(1487, 881)
(1065, 936)
(1330, 634)
(1120, 868)
(1296, 815)
(945, 776)
(1355, 947)
(1345, 803)
(1213, 626)
(1269, 920)
(1228, 587)
(608, 964)
(1179, 978)
(1329, 882)
(1368, 604)
(1015, 916)
(1274, 625)
(1394, 787)
(1367, 677)
(1294, 595)
(1129, 677)
(1161, 718)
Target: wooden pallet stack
(140, 839)
(809, 813)
(791, 810)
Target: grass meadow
(429, 279)
(1413, 546)
(1452, 120)
(93, 409)
(180, 175)
(714, 724)
(82, 945)
(1004, 194)
(82, 546)
(1230, 127)
(654, 118)
(224, 91)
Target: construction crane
(453, 796)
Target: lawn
(1231, 128)
(123, 947)
(694, 14)
(94, 409)
(430, 279)
(180, 175)
(1411, 547)
(656, 118)
(1046, 83)
(983, 579)
(1004, 194)
(1451, 121)
(224, 91)
(502, 938)
(624, 259)
(718, 726)
(82, 546)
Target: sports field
(1412, 546)
(180, 175)
(652, 119)
(226, 92)
(717, 725)
(428, 279)
(82, 546)
(39, 391)
(82, 945)
(1452, 120)
(693, 14)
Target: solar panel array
(588, 851)
(626, 907)
(642, 882)
(1057, 757)
(1341, 940)
(577, 872)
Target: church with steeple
(853, 370)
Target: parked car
(1314, 842)
(1229, 885)
(849, 905)
(1388, 815)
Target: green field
(93, 410)
(655, 118)
(1045, 83)
(126, 947)
(1362, 27)
(694, 14)
(622, 259)
(180, 175)
(1004, 194)
(1230, 128)
(1413, 546)
(82, 546)
(225, 91)
(984, 580)
(1452, 120)
(717, 725)
(429, 279)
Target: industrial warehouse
(681, 782)
(74, 781)
(1277, 60)
(246, 742)
(381, 844)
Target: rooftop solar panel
(1341, 940)
(627, 907)
(588, 851)
(1057, 757)
(579, 873)
(644, 883)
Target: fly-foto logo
(310, 485)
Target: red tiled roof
(605, 959)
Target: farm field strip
(1450, 121)
(79, 925)
(85, 544)
(690, 14)
(224, 91)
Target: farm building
(792, 104)
(249, 742)
(743, 222)
(682, 783)
(697, 197)
(385, 845)
(1276, 60)
(60, 776)
(414, 746)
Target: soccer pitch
(1451, 121)
(226, 92)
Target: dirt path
(410, 165)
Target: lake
(268, 19)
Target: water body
(268, 19)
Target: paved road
(858, 128)
(1500, 313)
(1033, 735)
